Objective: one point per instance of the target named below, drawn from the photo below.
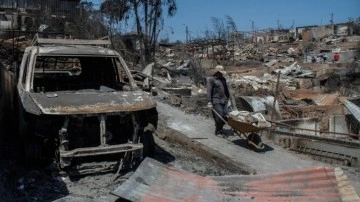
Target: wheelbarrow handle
(219, 116)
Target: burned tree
(231, 23)
(148, 17)
(220, 30)
(90, 25)
(231, 37)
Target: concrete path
(202, 129)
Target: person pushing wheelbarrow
(218, 99)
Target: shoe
(219, 132)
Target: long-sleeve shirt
(217, 90)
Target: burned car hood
(92, 102)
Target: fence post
(276, 95)
(334, 125)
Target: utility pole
(233, 52)
(332, 22)
(332, 18)
(187, 33)
(253, 29)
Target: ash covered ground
(23, 183)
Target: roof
(72, 46)
(74, 50)
(352, 107)
(154, 181)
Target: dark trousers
(221, 110)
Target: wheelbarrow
(248, 130)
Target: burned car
(77, 101)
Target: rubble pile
(295, 71)
(266, 82)
(253, 70)
(8, 54)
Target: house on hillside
(318, 33)
(41, 7)
(303, 33)
(131, 41)
(343, 29)
(20, 14)
(275, 36)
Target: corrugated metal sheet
(263, 105)
(154, 181)
(353, 108)
(306, 126)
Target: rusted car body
(79, 100)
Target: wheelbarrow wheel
(254, 141)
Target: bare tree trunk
(139, 31)
(154, 34)
(146, 7)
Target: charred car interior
(77, 73)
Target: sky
(196, 14)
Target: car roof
(76, 50)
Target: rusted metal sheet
(154, 181)
(308, 126)
(318, 98)
(352, 107)
(92, 102)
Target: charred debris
(94, 88)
